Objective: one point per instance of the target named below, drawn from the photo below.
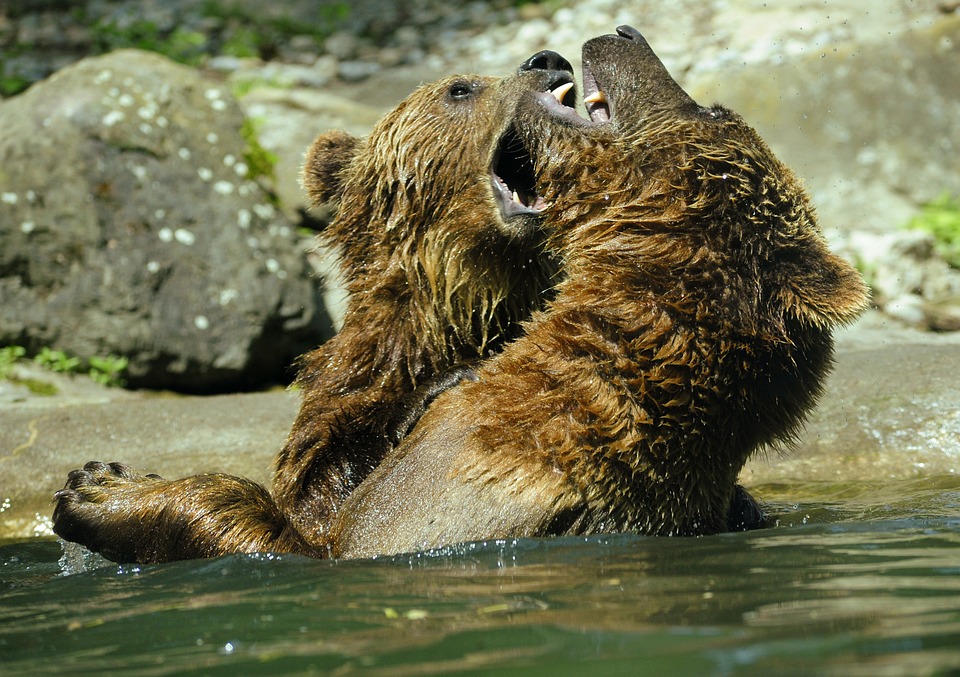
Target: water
(856, 579)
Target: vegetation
(57, 360)
(239, 34)
(233, 32)
(941, 218)
(180, 45)
(107, 370)
(249, 34)
(243, 41)
(14, 84)
(258, 159)
(9, 356)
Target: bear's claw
(82, 513)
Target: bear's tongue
(517, 198)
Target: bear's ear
(325, 164)
(824, 289)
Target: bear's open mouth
(514, 178)
(513, 174)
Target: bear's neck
(648, 394)
(669, 419)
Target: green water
(858, 579)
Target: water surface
(856, 579)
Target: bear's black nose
(629, 32)
(546, 61)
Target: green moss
(13, 84)
(941, 218)
(37, 387)
(259, 160)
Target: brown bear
(692, 327)
(438, 227)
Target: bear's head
(697, 243)
(705, 182)
(437, 211)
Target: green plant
(941, 218)
(104, 370)
(243, 41)
(329, 17)
(57, 360)
(259, 160)
(244, 84)
(9, 355)
(11, 81)
(184, 46)
(12, 84)
(107, 370)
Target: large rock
(890, 412)
(131, 224)
(873, 124)
(288, 120)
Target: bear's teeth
(516, 198)
(561, 91)
(596, 97)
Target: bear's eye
(461, 89)
(714, 112)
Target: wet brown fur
(436, 277)
(692, 328)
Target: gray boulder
(872, 125)
(131, 223)
(288, 120)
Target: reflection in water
(856, 579)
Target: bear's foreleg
(329, 453)
(412, 405)
(129, 517)
(745, 512)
